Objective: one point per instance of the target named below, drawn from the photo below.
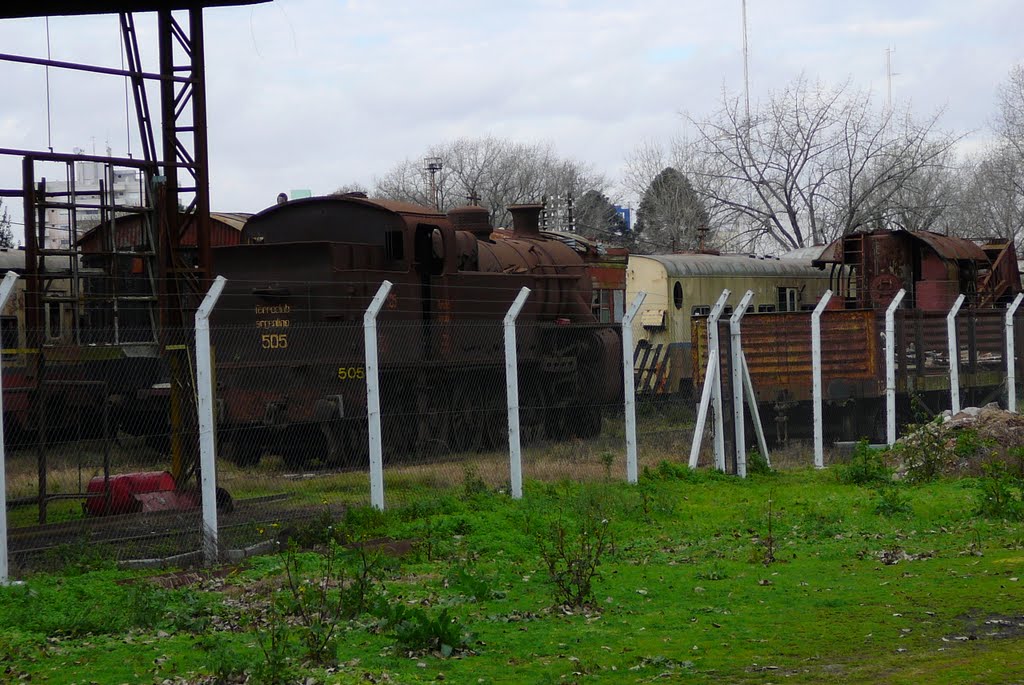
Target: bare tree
(492, 172)
(811, 164)
(353, 188)
(990, 203)
(1010, 122)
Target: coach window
(700, 310)
(9, 336)
(788, 300)
(765, 308)
(677, 295)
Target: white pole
(512, 393)
(954, 355)
(819, 430)
(890, 367)
(1011, 361)
(6, 287)
(629, 385)
(737, 383)
(207, 424)
(373, 396)
(712, 391)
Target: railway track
(164, 533)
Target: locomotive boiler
(288, 332)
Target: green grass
(683, 594)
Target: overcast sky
(317, 94)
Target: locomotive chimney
(476, 220)
(526, 219)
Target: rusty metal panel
(778, 351)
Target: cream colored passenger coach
(682, 286)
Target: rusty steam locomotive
(288, 331)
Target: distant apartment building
(123, 186)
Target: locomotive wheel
(301, 445)
(398, 428)
(531, 414)
(587, 422)
(557, 424)
(239, 446)
(464, 435)
(357, 442)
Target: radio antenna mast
(746, 72)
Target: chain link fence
(103, 455)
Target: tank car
(865, 272)
(288, 331)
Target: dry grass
(664, 434)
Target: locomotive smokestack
(526, 219)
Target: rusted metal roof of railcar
(683, 265)
(43, 8)
(947, 247)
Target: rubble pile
(961, 444)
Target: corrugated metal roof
(683, 265)
(235, 220)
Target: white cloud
(318, 93)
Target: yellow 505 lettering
(274, 341)
(351, 373)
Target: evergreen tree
(6, 233)
(670, 215)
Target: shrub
(892, 502)
(1000, 495)
(757, 464)
(866, 466)
(415, 629)
(574, 551)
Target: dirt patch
(988, 627)
(179, 579)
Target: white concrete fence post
(6, 288)
(954, 355)
(515, 458)
(819, 429)
(890, 367)
(737, 383)
(711, 393)
(373, 396)
(207, 422)
(629, 386)
(1011, 357)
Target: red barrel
(120, 498)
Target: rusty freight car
(866, 270)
